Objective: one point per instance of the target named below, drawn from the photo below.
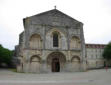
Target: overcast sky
(95, 14)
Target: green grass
(13, 69)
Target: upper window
(55, 40)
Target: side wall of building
(94, 56)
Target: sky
(95, 14)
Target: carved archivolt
(75, 59)
(35, 58)
(58, 55)
(55, 38)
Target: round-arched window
(55, 40)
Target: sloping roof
(95, 45)
(53, 17)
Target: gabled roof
(53, 17)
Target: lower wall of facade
(42, 62)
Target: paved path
(92, 77)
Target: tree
(5, 56)
(107, 52)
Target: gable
(54, 18)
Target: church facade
(51, 42)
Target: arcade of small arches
(55, 61)
(36, 42)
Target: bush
(5, 56)
(107, 52)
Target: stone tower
(51, 42)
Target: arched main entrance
(55, 65)
(56, 61)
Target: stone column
(83, 52)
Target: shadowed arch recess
(75, 42)
(35, 41)
(75, 62)
(54, 59)
(35, 64)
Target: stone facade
(54, 42)
(51, 42)
(94, 56)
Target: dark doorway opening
(55, 65)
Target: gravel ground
(92, 77)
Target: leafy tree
(5, 56)
(107, 52)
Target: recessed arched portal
(56, 61)
(55, 65)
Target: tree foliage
(107, 52)
(5, 56)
